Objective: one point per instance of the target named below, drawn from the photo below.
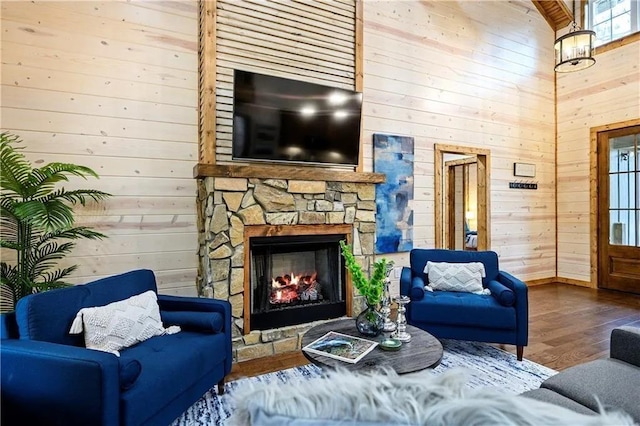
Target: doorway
(462, 197)
(618, 198)
(461, 202)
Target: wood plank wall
(303, 40)
(113, 86)
(606, 93)
(476, 74)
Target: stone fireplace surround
(227, 206)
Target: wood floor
(568, 325)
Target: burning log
(310, 293)
(290, 288)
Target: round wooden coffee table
(423, 351)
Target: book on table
(340, 346)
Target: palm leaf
(43, 180)
(7, 300)
(6, 271)
(8, 220)
(8, 229)
(52, 249)
(7, 206)
(72, 234)
(78, 196)
(14, 165)
(8, 214)
(57, 275)
(72, 169)
(48, 216)
(46, 256)
(9, 244)
(9, 276)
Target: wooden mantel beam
(285, 172)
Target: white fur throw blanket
(384, 398)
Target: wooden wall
(113, 86)
(476, 74)
(606, 93)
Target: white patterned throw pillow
(121, 324)
(463, 277)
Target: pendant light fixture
(574, 51)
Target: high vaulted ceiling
(555, 12)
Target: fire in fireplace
(296, 279)
(291, 288)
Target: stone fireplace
(270, 247)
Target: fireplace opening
(296, 279)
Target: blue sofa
(501, 317)
(49, 377)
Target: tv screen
(277, 119)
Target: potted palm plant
(369, 322)
(37, 223)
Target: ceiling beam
(555, 12)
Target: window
(612, 19)
(624, 189)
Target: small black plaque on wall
(523, 185)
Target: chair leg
(221, 387)
(520, 351)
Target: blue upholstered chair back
(48, 316)
(418, 259)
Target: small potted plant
(369, 322)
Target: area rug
(487, 366)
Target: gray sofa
(613, 382)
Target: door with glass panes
(619, 209)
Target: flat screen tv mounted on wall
(282, 120)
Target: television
(281, 120)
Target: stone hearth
(227, 205)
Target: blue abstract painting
(393, 156)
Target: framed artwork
(524, 169)
(393, 156)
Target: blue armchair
(501, 317)
(49, 377)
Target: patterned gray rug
(487, 366)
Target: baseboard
(561, 280)
(572, 281)
(541, 281)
